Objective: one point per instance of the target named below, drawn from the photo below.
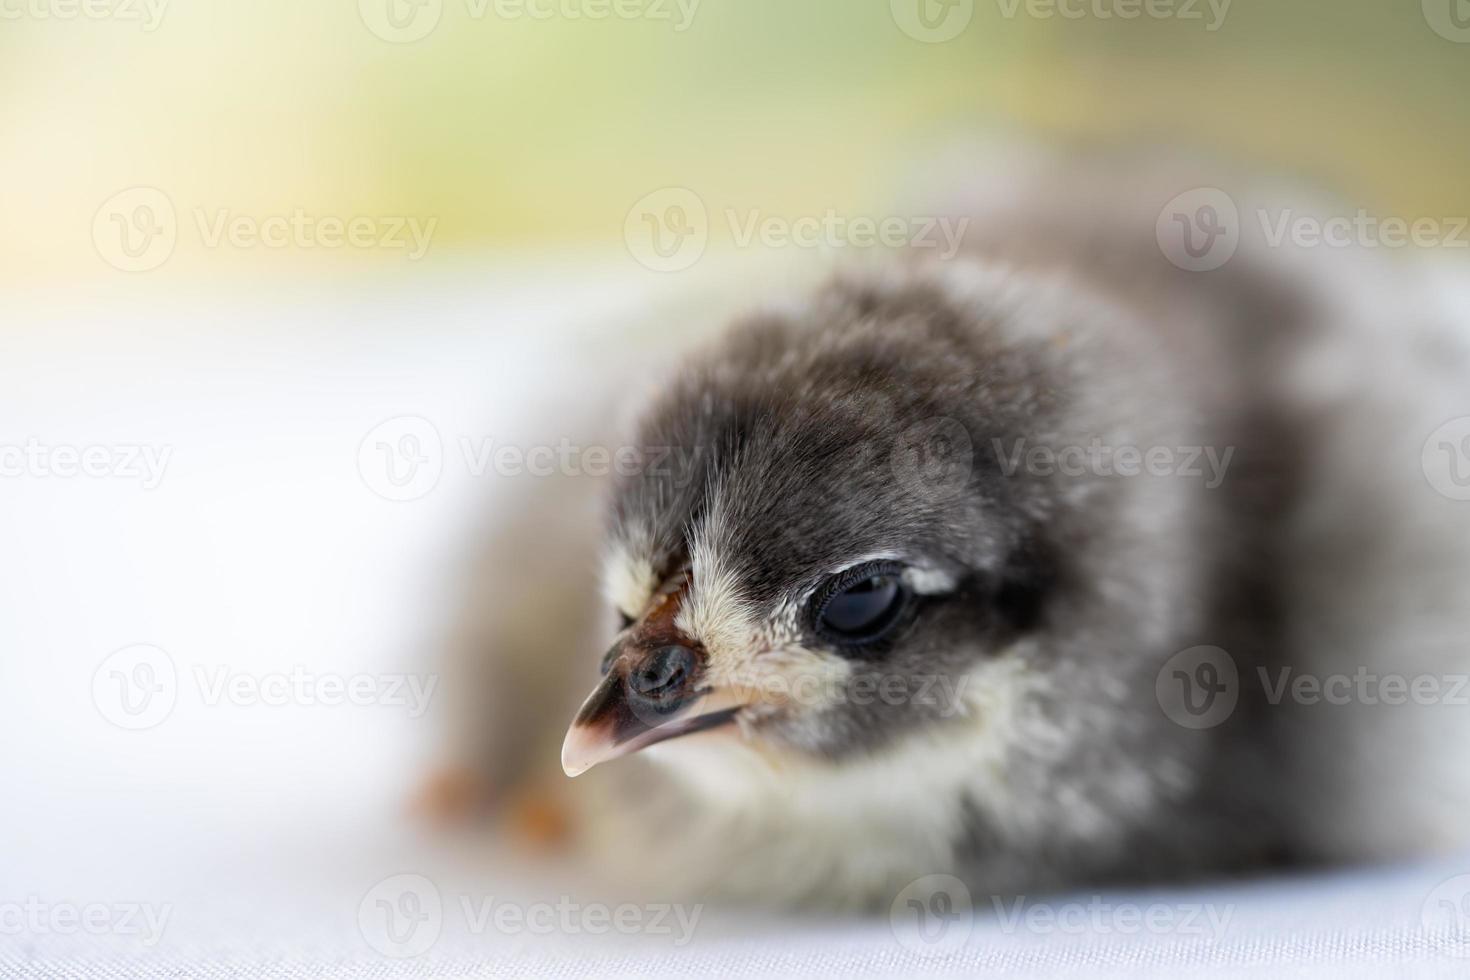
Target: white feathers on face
(628, 581)
(760, 653)
(716, 611)
(929, 581)
(759, 656)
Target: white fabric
(255, 834)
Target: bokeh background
(524, 134)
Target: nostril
(663, 672)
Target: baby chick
(931, 569)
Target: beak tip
(575, 753)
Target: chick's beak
(649, 694)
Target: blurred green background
(532, 133)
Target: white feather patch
(716, 611)
(628, 581)
(854, 827)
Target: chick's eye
(861, 605)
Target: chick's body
(1113, 503)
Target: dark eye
(624, 621)
(860, 605)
